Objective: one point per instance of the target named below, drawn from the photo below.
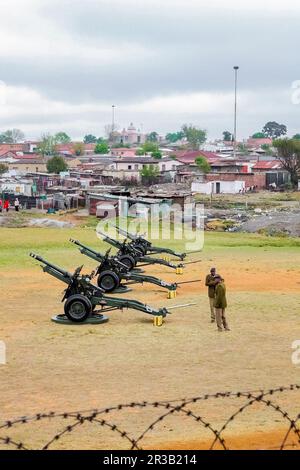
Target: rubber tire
(81, 299)
(115, 280)
(128, 260)
(142, 249)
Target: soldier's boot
(219, 319)
(225, 324)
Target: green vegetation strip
(15, 244)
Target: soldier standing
(211, 284)
(220, 303)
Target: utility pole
(113, 118)
(235, 68)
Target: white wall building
(17, 187)
(218, 187)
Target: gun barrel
(87, 249)
(110, 240)
(50, 265)
(125, 233)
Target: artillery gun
(139, 241)
(130, 254)
(112, 271)
(81, 297)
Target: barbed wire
(179, 407)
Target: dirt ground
(65, 368)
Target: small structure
(273, 171)
(218, 187)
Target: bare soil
(65, 368)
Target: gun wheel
(128, 260)
(141, 249)
(108, 281)
(77, 308)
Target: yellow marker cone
(158, 320)
(172, 294)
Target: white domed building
(131, 136)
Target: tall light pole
(113, 118)
(235, 68)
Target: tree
(56, 164)
(78, 148)
(46, 146)
(12, 136)
(152, 137)
(266, 148)
(194, 136)
(139, 152)
(101, 148)
(89, 139)
(227, 136)
(274, 130)
(148, 147)
(100, 140)
(288, 152)
(149, 173)
(3, 168)
(62, 138)
(296, 137)
(258, 135)
(156, 154)
(203, 164)
(173, 137)
(242, 148)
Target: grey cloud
(193, 49)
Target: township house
(21, 158)
(236, 174)
(129, 167)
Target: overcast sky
(161, 62)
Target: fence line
(177, 408)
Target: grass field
(52, 367)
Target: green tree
(153, 137)
(139, 152)
(173, 137)
(194, 136)
(78, 148)
(149, 173)
(296, 137)
(12, 136)
(242, 148)
(274, 130)
(203, 164)
(227, 136)
(149, 147)
(3, 168)
(56, 164)
(267, 148)
(46, 146)
(100, 140)
(62, 138)
(288, 152)
(89, 139)
(156, 154)
(258, 135)
(101, 148)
